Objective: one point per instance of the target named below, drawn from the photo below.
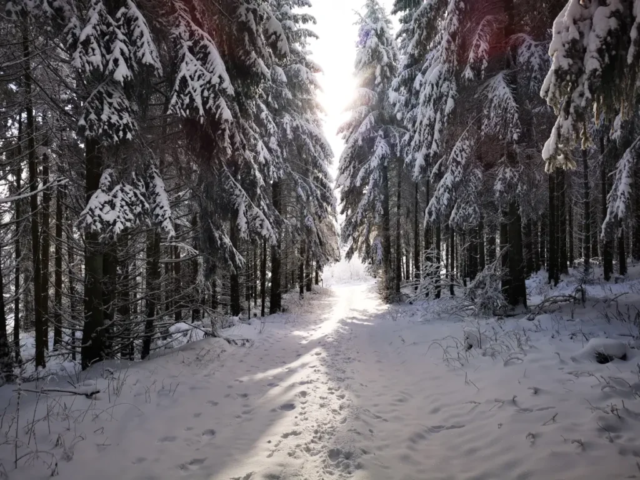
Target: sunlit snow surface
(343, 386)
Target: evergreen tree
(372, 144)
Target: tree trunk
(542, 252)
(552, 268)
(303, 255)
(275, 303)
(110, 272)
(586, 207)
(491, 245)
(535, 246)
(74, 314)
(177, 279)
(234, 277)
(438, 258)
(18, 255)
(562, 223)
(572, 256)
(152, 284)
(92, 331)
(127, 350)
(40, 344)
(6, 357)
(528, 247)
(57, 314)
(622, 255)
(263, 278)
(307, 268)
(517, 286)
(398, 266)
(607, 245)
(416, 237)
(452, 261)
(386, 233)
(504, 250)
(481, 248)
(45, 237)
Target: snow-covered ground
(343, 386)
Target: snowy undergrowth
(45, 422)
(342, 386)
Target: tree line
(493, 137)
(162, 162)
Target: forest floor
(343, 386)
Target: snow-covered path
(345, 387)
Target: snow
(343, 386)
(602, 350)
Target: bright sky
(335, 52)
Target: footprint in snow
(287, 407)
(168, 439)
(193, 464)
(209, 433)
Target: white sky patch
(335, 52)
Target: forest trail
(345, 387)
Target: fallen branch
(549, 301)
(87, 392)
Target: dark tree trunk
(504, 250)
(543, 242)
(214, 293)
(57, 314)
(127, 350)
(263, 278)
(607, 245)
(562, 223)
(517, 286)
(481, 248)
(302, 260)
(416, 236)
(153, 287)
(317, 274)
(234, 276)
(307, 267)
(535, 245)
(33, 203)
(398, 266)
(622, 254)
(586, 207)
(491, 245)
(18, 255)
(572, 256)
(45, 237)
(517, 293)
(110, 271)
(386, 233)
(528, 247)
(177, 279)
(275, 303)
(6, 356)
(74, 305)
(552, 267)
(438, 259)
(428, 234)
(635, 243)
(92, 332)
(256, 279)
(452, 260)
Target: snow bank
(602, 350)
